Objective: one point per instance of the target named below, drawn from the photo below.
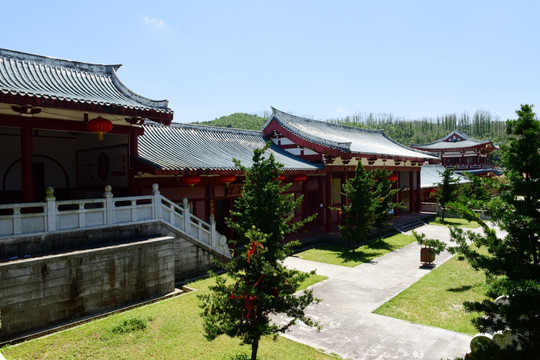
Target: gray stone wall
(62, 241)
(44, 291)
(190, 260)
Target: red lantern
(227, 179)
(300, 177)
(100, 126)
(191, 180)
(392, 177)
(280, 177)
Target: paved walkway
(351, 294)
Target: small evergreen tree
(358, 212)
(445, 192)
(511, 263)
(259, 285)
(384, 204)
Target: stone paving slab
(349, 297)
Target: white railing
(54, 216)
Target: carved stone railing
(26, 219)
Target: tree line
(481, 125)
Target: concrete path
(351, 294)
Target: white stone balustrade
(55, 216)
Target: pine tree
(258, 284)
(511, 263)
(445, 193)
(384, 204)
(358, 212)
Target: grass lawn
(343, 256)
(462, 223)
(437, 298)
(173, 331)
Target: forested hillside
(238, 121)
(481, 125)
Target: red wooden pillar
(133, 151)
(411, 192)
(26, 163)
(397, 197)
(305, 209)
(320, 201)
(328, 201)
(418, 191)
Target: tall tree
(445, 193)
(259, 285)
(512, 262)
(384, 205)
(358, 212)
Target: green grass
(462, 223)
(170, 329)
(346, 257)
(437, 298)
(313, 279)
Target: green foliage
(437, 246)
(512, 263)
(260, 285)
(364, 253)
(238, 121)
(176, 332)
(482, 125)
(436, 299)
(130, 325)
(477, 190)
(383, 195)
(445, 192)
(358, 212)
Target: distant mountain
(237, 121)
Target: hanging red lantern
(100, 126)
(227, 179)
(300, 177)
(191, 180)
(392, 177)
(280, 177)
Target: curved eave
(300, 140)
(149, 167)
(163, 117)
(28, 79)
(284, 124)
(318, 146)
(481, 145)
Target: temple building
(96, 180)
(75, 127)
(196, 162)
(462, 152)
(340, 149)
(53, 113)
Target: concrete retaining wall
(190, 260)
(62, 241)
(44, 291)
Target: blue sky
(321, 59)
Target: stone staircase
(411, 223)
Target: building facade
(462, 152)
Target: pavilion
(462, 152)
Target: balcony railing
(55, 216)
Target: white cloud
(340, 110)
(160, 23)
